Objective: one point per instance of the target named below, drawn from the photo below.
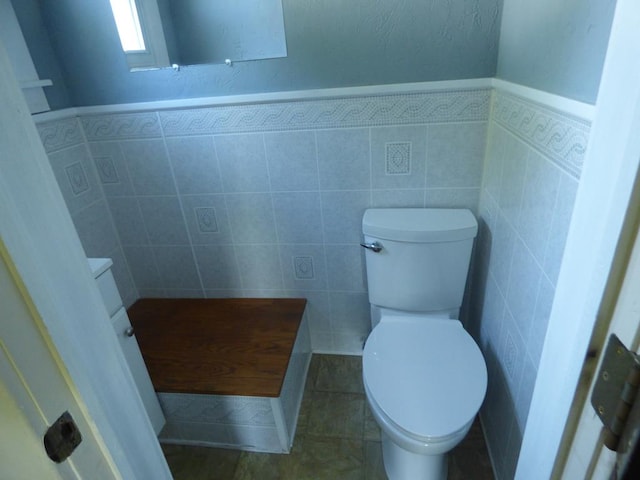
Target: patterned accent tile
(121, 126)
(560, 137)
(206, 217)
(303, 267)
(510, 354)
(77, 178)
(398, 158)
(447, 106)
(106, 170)
(60, 134)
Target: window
(125, 13)
(141, 34)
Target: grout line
(273, 214)
(185, 224)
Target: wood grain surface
(230, 346)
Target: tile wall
(266, 200)
(531, 174)
(75, 171)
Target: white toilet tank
(424, 260)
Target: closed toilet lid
(426, 374)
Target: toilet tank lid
(420, 224)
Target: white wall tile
(345, 268)
(218, 267)
(144, 270)
(259, 266)
(207, 219)
(243, 165)
(112, 169)
(512, 353)
(453, 198)
(560, 226)
(177, 268)
(76, 177)
(538, 201)
(96, 230)
(122, 276)
(398, 157)
(342, 215)
(413, 198)
(298, 217)
(343, 159)
(195, 164)
(128, 220)
(148, 167)
(163, 220)
(541, 314)
(292, 160)
(492, 175)
(251, 218)
(350, 316)
(525, 392)
(512, 181)
(502, 246)
(524, 282)
(303, 267)
(455, 155)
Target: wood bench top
(230, 346)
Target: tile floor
(337, 439)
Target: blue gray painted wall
(557, 47)
(330, 43)
(43, 55)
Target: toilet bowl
(425, 379)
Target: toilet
(424, 376)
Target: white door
(45, 252)
(34, 391)
(587, 457)
(616, 139)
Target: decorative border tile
(449, 106)
(60, 134)
(560, 137)
(121, 126)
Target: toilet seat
(426, 375)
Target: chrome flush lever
(375, 246)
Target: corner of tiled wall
(78, 179)
(531, 172)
